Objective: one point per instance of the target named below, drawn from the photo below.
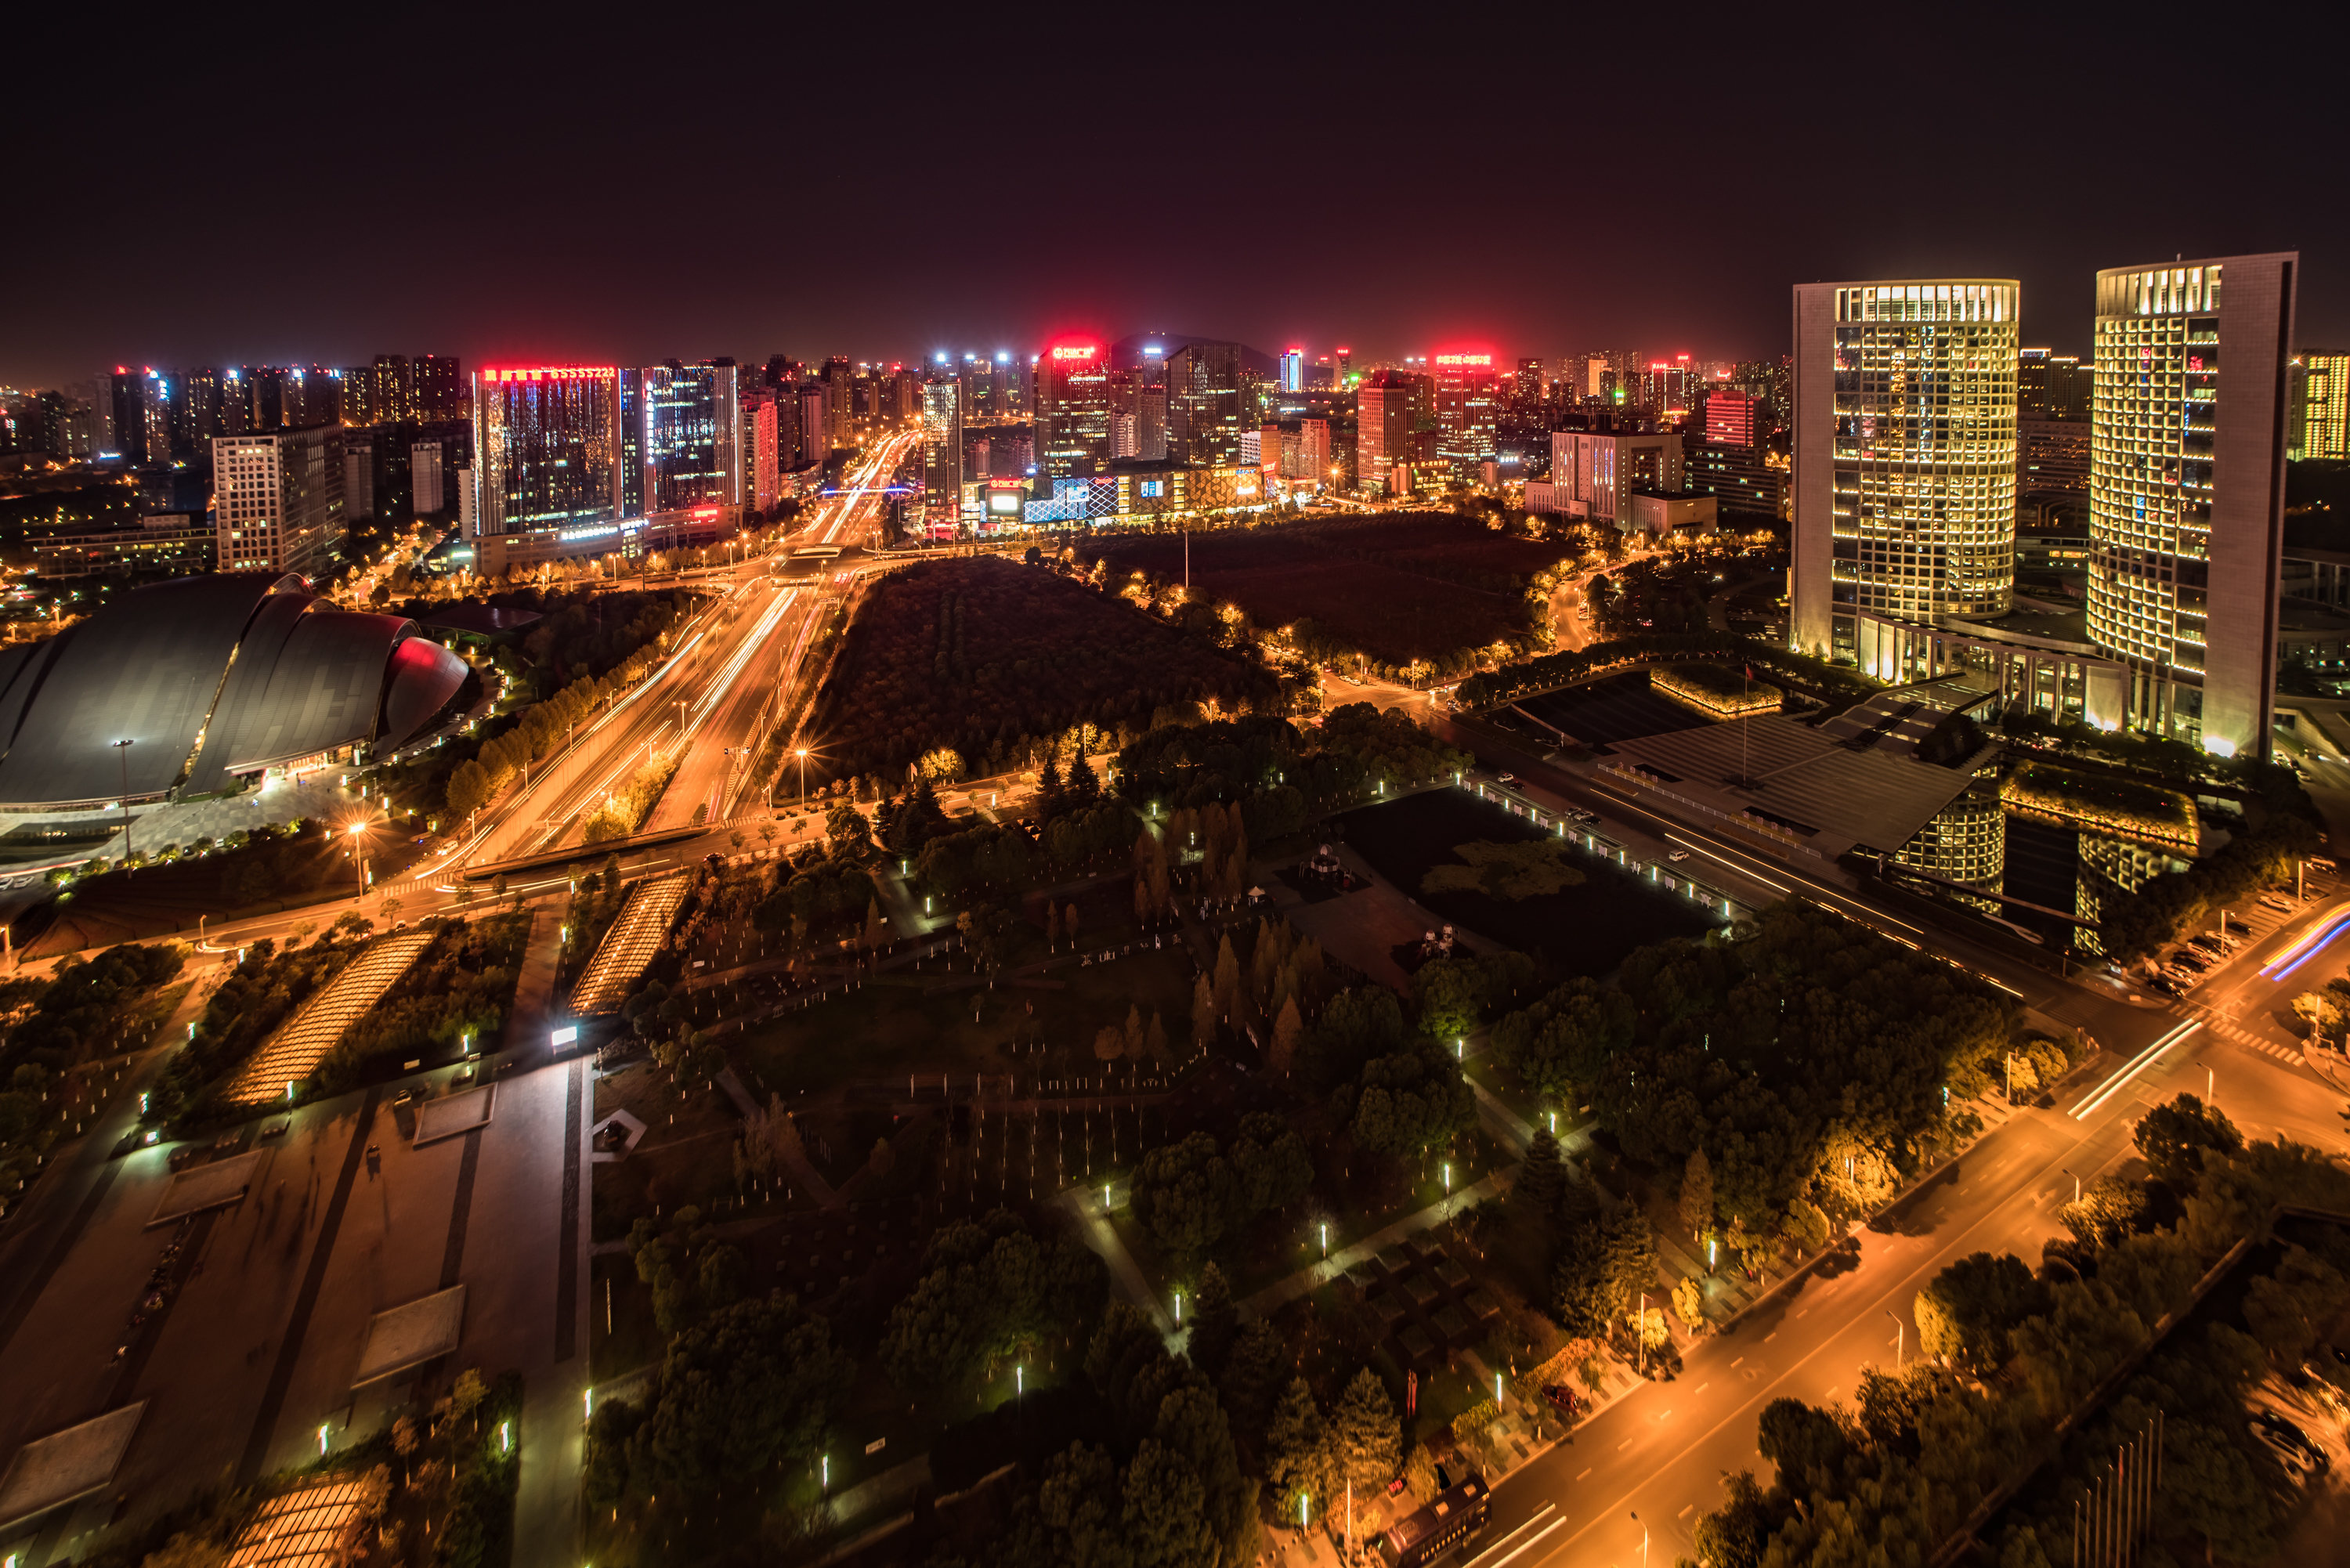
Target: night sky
(610, 184)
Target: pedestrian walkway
(2229, 1029)
(1103, 1237)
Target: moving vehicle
(1432, 1534)
(1505, 779)
(1677, 855)
(2288, 1442)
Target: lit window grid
(1926, 450)
(2151, 425)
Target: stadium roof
(208, 679)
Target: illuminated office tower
(1905, 462)
(687, 433)
(942, 449)
(545, 454)
(2186, 493)
(2323, 429)
(1390, 408)
(1467, 410)
(1073, 409)
(1211, 399)
(1293, 369)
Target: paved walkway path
(1103, 1237)
(1281, 1292)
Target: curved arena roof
(207, 677)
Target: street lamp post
(801, 753)
(1900, 1338)
(359, 861)
(2076, 1182)
(122, 750)
(1644, 1541)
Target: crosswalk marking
(2229, 1029)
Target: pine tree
(1236, 859)
(1085, 784)
(1203, 1011)
(1264, 960)
(1296, 1448)
(1215, 1321)
(1541, 1178)
(1286, 1029)
(1051, 793)
(1069, 923)
(1154, 1040)
(1366, 1439)
(1228, 982)
(1134, 1037)
(1697, 1195)
(1052, 925)
(876, 930)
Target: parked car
(2188, 958)
(2288, 1442)
(1562, 1399)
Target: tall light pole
(1900, 1338)
(359, 861)
(122, 750)
(1644, 1542)
(801, 753)
(2076, 1182)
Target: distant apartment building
(2320, 426)
(278, 500)
(546, 453)
(943, 453)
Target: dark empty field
(1440, 590)
(1584, 930)
(1620, 708)
(988, 657)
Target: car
(1562, 1399)
(2282, 905)
(1677, 855)
(2288, 1442)
(1506, 778)
(2237, 928)
(2320, 863)
(2204, 941)
(2188, 958)
(2168, 986)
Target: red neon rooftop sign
(1066, 352)
(1464, 358)
(548, 372)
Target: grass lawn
(1588, 928)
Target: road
(1570, 606)
(714, 697)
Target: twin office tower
(1905, 478)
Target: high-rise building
(1390, 408)
(942, 449)
(278, 500)
(1293, 369)
(1468, 407)
(441, 390)
(1211, 399)
(140, 407)
(1728, 419)
(1346, 367)
(1073, 396)
(2186, 492)
(691, 427)
(762, 427)
(1905, 451)
(2324, 428)
(545, 453)
(2052, 385)
(815, 426)
(839, 402)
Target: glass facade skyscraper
(2186, 492)
(1073, 409)
(544, 447)
(689, 440)
(1905, 459)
